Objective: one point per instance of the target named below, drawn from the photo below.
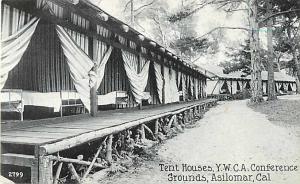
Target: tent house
(236, 82)
(69, 56)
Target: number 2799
(15, 174)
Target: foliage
(239, 59)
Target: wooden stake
(73, 171)
(171, 121)
(150, 131)
(156, 126)
(109, 149)
(142, 131)
(55, 180)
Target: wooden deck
(34, 144)
(39, 132)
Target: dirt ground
(231, 133)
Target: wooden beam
(17, 159)
(75, 161)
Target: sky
(207, 19)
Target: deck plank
(43, 129)
(24, 140)
(51, 135)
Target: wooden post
(45, 170)
(175, 121)
(35, 172)
(93, 90)
(55, 180)
(139, 69)
(94, 101)
(109, 149)
(164, 83)
(192, 115)
(149, 131)
(142, 129)
(156, 128)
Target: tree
(288, 32)
(179, 37)
(271, 80)
(256, 16)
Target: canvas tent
(235, 82)
(54, 52)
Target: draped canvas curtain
(159, 80)
(179, 79)
(264, 86)
(294, 87)
(285, 86)
(173, 87)
(229, 86)
(84, 76)
(79, 63)
(75, 48)
(183, 84)
(234, 87)
(191, 86)
(212, 87)
(167, 89)
(203, 90)
(138, 81)
(220, 85)
(196, 89)
(240, 83)
(245, 84)
(277, 86)
(15, 38)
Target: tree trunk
(271, 81)
(131, 14)
(297, 64)
(256, 81)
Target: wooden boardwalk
(56, 129)
(34, 144)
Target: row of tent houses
(236, 82)
(59, 54)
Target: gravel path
(230, 133)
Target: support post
(164, 83)
(55, 180)
(156, 128)
(94, 101)
(109, 149)
(142, 129)
(93, 90)
(45, 170)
